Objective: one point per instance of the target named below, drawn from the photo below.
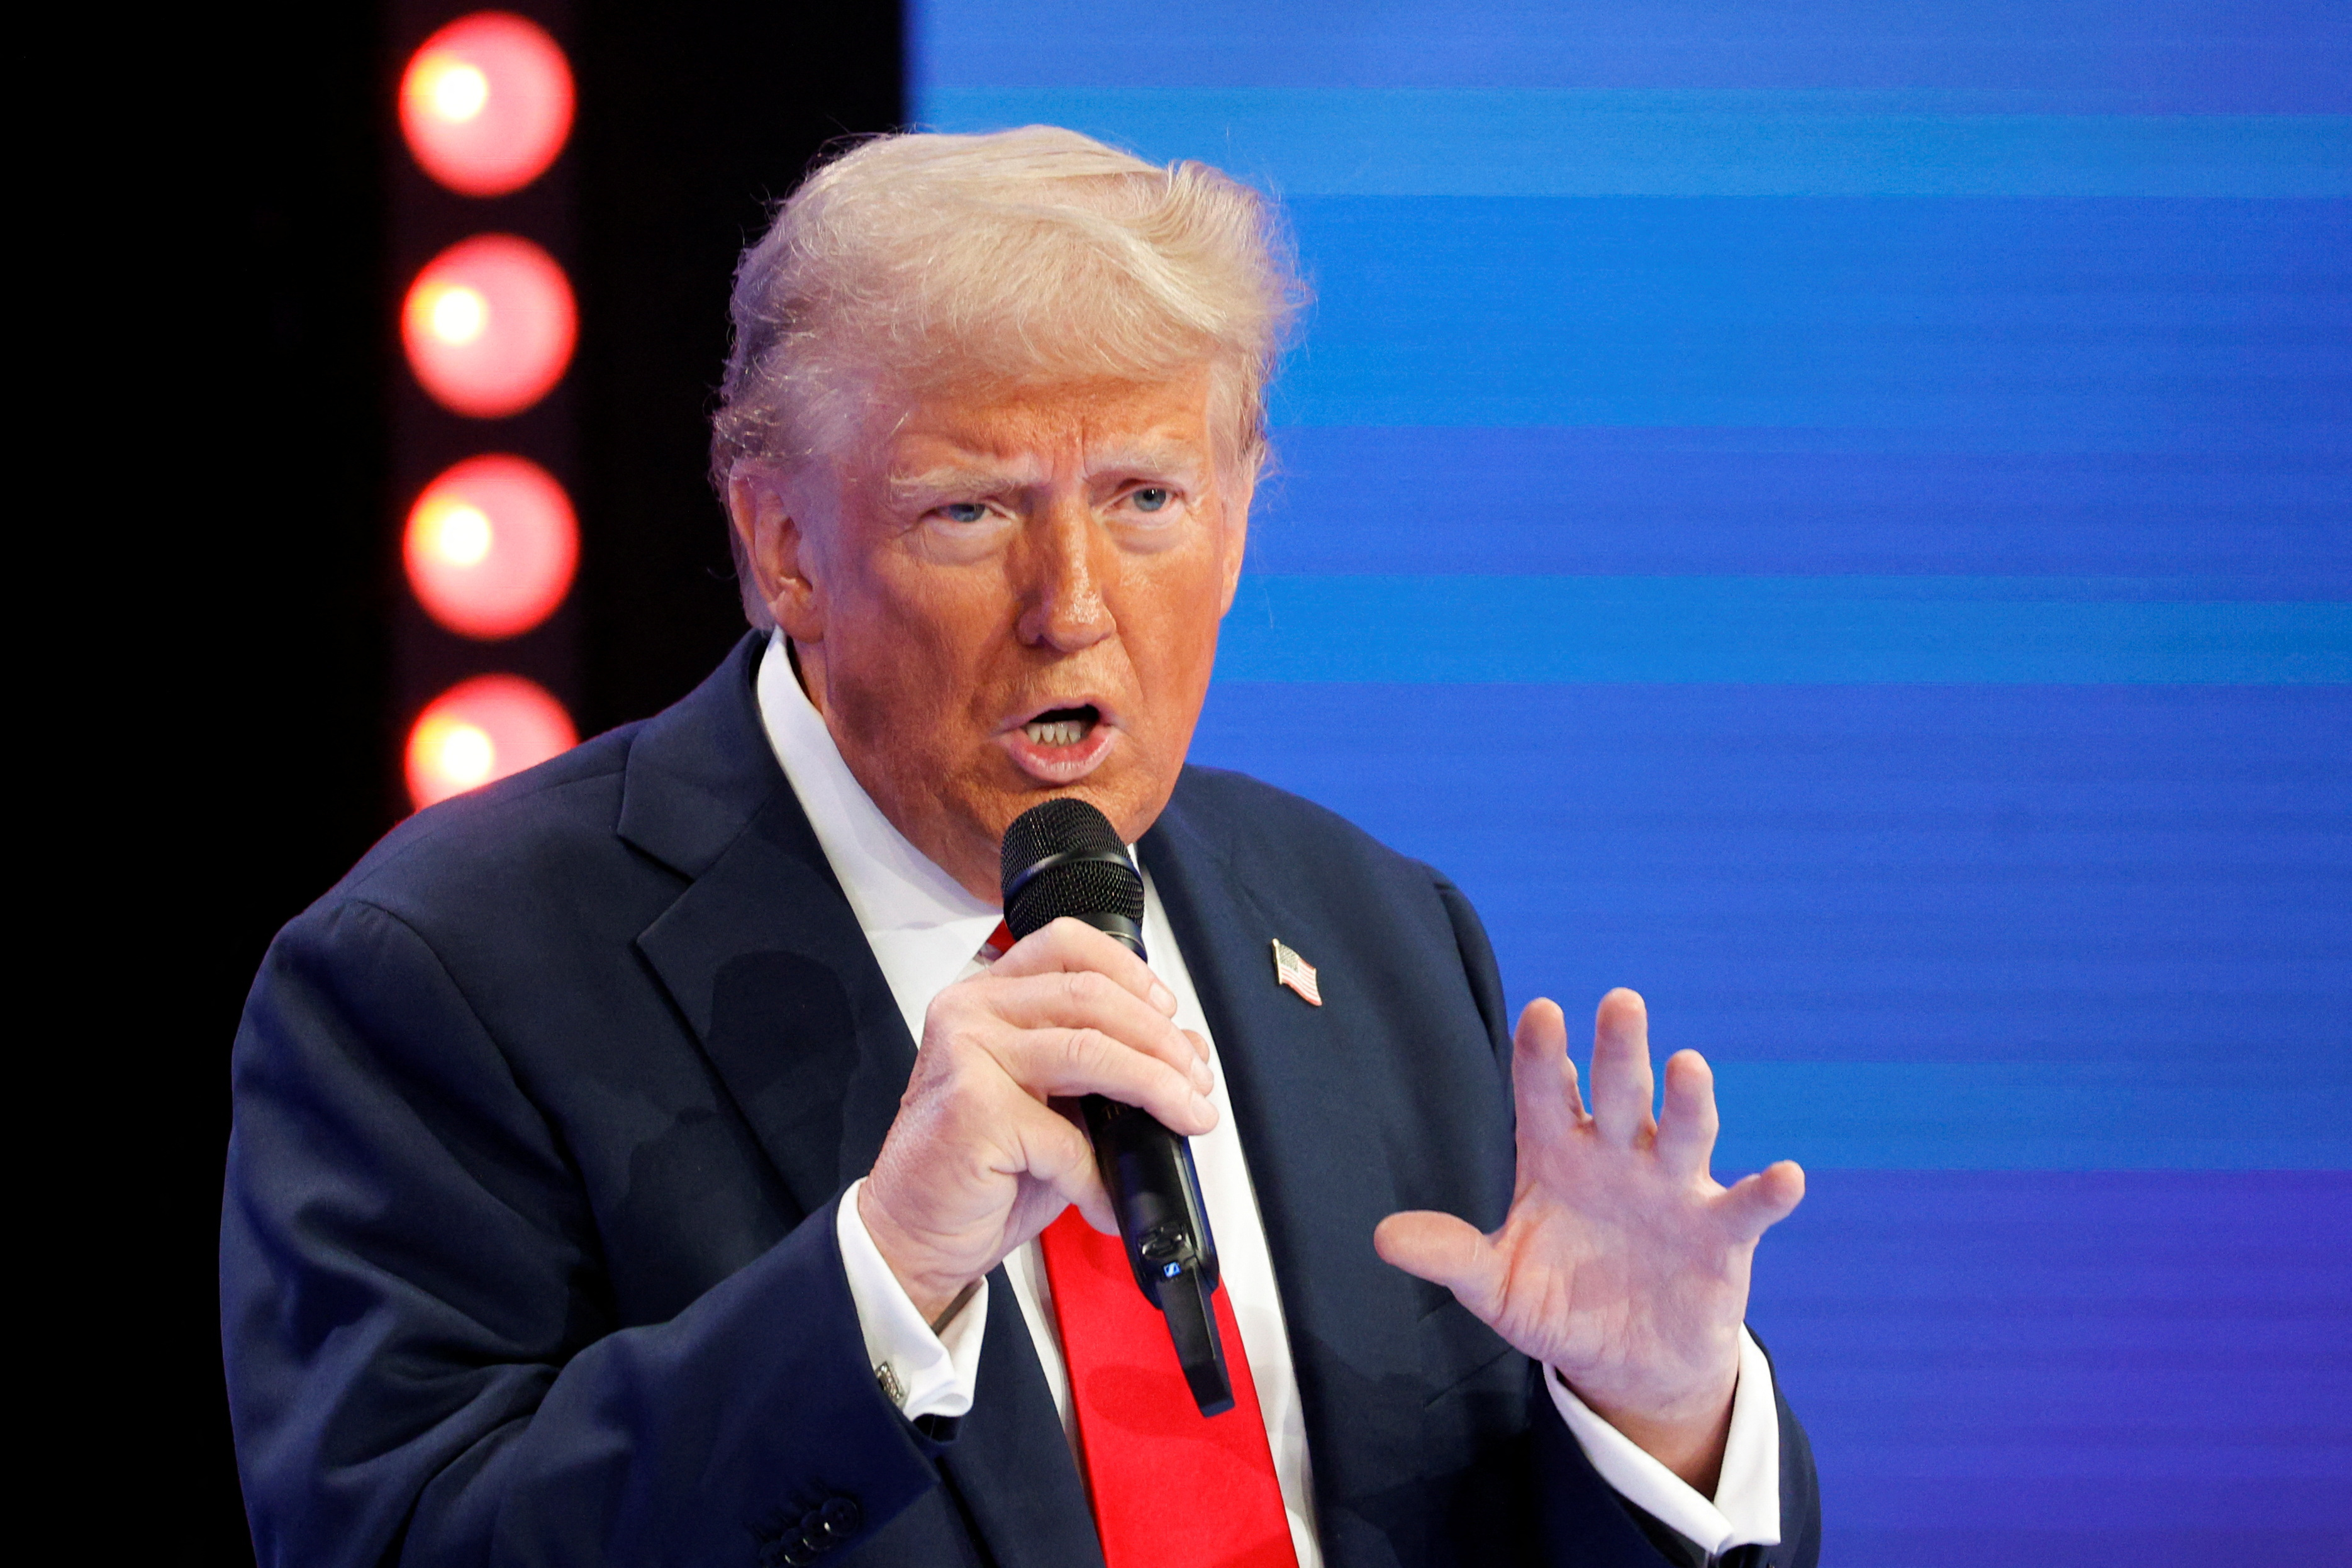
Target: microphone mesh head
(1074, 887)
(1095, 878)
(1063, 826)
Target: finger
(1623, 1088)
(1049, 1062)
(1543, 1079)
(1087, 999)
(1446, 1251)
(1755, 1204)
(1687, 1127)
(1055, 1150)
(1068, 944)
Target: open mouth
(1062, 745)
(1063, 725)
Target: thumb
(1446, 1251)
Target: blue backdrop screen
(1839, 516)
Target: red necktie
(1171, 1488)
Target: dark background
(693, 117)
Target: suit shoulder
(536, 829)
(1248, 818)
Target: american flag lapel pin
(1290, 969)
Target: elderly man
(664, 1156)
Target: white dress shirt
(926, 932)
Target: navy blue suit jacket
(528, 1253)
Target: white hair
(1038, 255)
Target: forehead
(1095, 423)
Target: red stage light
(491, 546)
(483, 730)
(489, 325)
(486, 103)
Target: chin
(1131, 804)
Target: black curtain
(275, 677)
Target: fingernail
(1203, 1112)
(1200, 1078)
(1163, 998)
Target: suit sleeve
(422, 1359)
(1571, 1490)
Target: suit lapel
(760, 954)
(764, 959)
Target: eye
(1151, 498)
(964, 511)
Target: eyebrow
(983, 477)
(1149, 456)
(970, 479)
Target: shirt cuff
(924, 1373)
(1745, 1509)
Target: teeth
(1059, 732)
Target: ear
(1235, 541)
(769, 521)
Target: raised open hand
(1623, 1264)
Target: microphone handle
(1156, 1192)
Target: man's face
(1009, 596)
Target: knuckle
(1067, 1149)
(951, 1010)
(946, 1039)
(1081, 1047)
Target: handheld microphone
(1061, 858)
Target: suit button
(834, 1523)
(821, 1529)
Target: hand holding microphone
(1064, 861)
(978, 1162)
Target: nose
(1063, 607)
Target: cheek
(915, 644)
(1173, 645)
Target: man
(661, 1157)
